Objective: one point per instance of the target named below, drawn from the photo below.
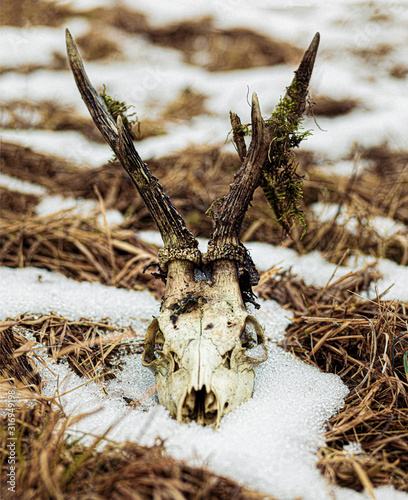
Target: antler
(258, 163)
(179, 243)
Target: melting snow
(69, 145)
(268, 443)
(278, 430)
(313, 268)
(275, 433)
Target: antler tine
(178, 241)
(228, 221)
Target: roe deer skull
(204, 347)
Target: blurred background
(183, 66)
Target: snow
(273, 437)
(385, 227)
(290, 405)
(66, 144)
(54, 204)
(353, 448)
(346, 168)
(25, 187)
(274, 434)
(40, 291)
(20, 45)
(150, 77)
(314, 269)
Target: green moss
(280, 182)
(117, 108)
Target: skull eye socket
(249, 337)
(252, 339)
(153, 343)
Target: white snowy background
(270, 442)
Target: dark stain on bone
(174, 319)
(209, 326)
(187, 304)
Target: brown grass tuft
(327, 106)
(121, 17)
(92, 349)
(14, 202)
(49, 466)
(94, 45)
(223, 50)
(45, 115)
(365, 342)
(202, 43)
(26, 13)
(80, 249)
(399, 71)
(197, 176)
(188, 103)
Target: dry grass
(14, 202)
(57, 63)
(45, 115)
(200, 41)
(121, 17)
(371, 55)
(197, 176)
(327, 106)
(92, 349)
(188, 103)
(80, 249)
(38, 168)
(335, 329)
(399, 71)
(223, 50)
(50, 466)
(365, 342)
(95, 45)
(26, 13)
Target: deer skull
(204, 347)
(210, 345)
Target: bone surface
(204, 347)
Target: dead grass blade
(80, 249)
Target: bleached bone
(204, 347)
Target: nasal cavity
(201, 406)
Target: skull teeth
(203, 406)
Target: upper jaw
(208, 402)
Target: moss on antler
(120, 108)
(280, 182)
